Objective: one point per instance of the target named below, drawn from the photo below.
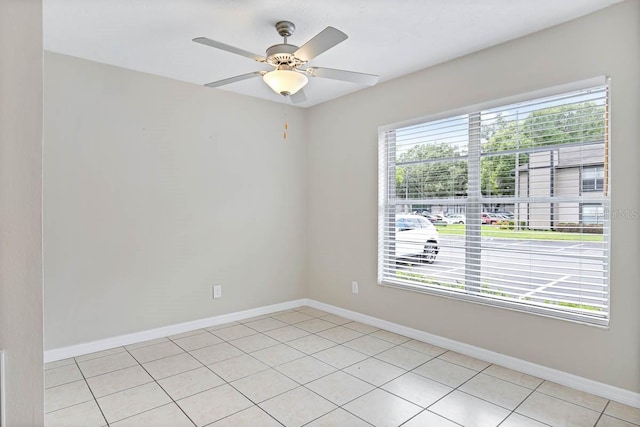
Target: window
(592, 178)
(525, 237)
(592, 214)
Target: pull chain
(286, 123)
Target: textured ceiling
(386, 37)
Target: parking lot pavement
(535, 270)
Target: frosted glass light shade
(285, 82)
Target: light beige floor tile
(369, 345)
(102, 365)
(119, 380)
(133, 401)
(424, 347)
(171, 365)
(215, 353)
(469, 411)
(286, 333)
(237, 367)
(97, 354)
(381, 408)
(417, 389)
(155, 352)
(338, 417)
(261, 317)
(146, 343)
(315, 325)
(61, 375)
(187, 334)
(608, 421)
(234, 332)
(445, 372)
(512, 376)
(251, 417)
(297, 407)
(264, 385)
(340, 334)
(360, 327)
(277, 355)
(403, 357)
(572, 395)
(264, 325)
(340, 356)
(624, 412)
(66, 395)
(390, 336)
(313, 312)
(311, 344)
(254, 343)
(194, 342)
(305, 369)
(375, 371)
(465, 361)
(85, 414)
(221, 326)
(167, 415)
(189, 383)
(429, 419)
(292, 317)
(339, 387)
(495, 390)
(336, 319)
(556, 412)
(212, 405)
(59, 363)
(517, 420)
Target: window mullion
(473, 227)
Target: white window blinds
(516, 203)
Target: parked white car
(416, 238)
(455, 219)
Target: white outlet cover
(217, 291)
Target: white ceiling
(386, 37)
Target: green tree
(559, 125)
(433, 179)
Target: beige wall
(343, 190)
(154, 190)
(21, 209)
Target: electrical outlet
(354, 287)
(217, 291)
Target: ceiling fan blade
(347, 76)
(236, 79)
(228, 48)
(324, 40)
(298, 97)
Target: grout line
(91, 391)
(165, 391)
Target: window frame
(384, 178)
(597, 170)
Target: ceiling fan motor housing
(283, 54)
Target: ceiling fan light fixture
(285, 81)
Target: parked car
(506, 214)
(416, 238)
(455, 219)
(491, 218)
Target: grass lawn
(495, 231)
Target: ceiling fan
(291, 74)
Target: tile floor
(307, 367)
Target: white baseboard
(150, 334)
(579, 383)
